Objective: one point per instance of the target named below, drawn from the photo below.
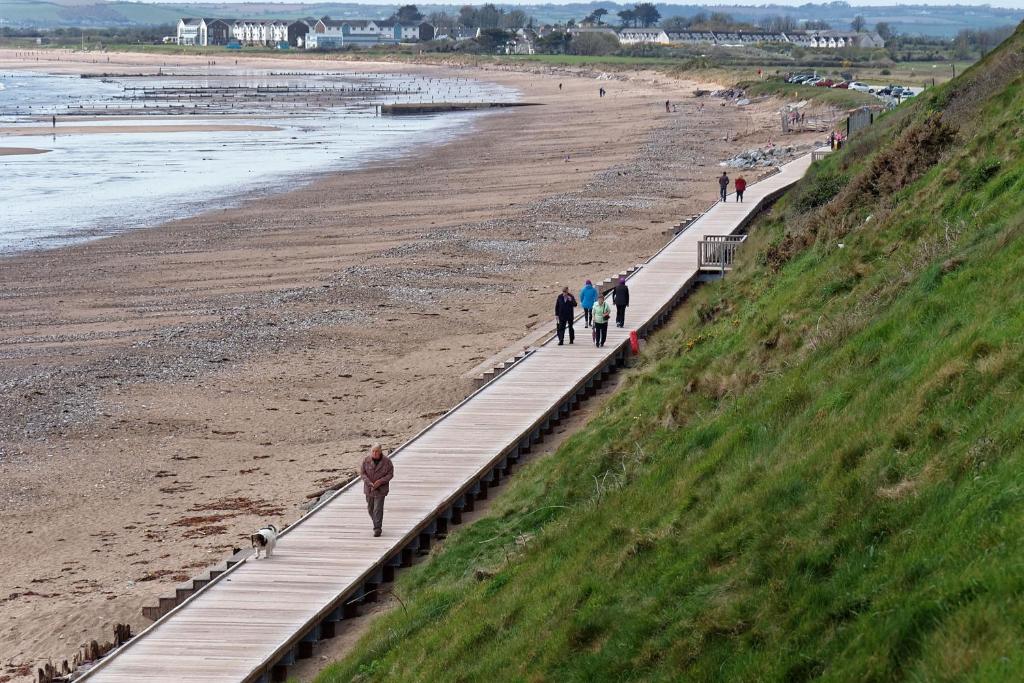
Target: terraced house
(330, 33)
(324, 33)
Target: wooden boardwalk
(253, 621)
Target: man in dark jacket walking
(376, 472)
(621, 300)
(723, 185)
(564, 305)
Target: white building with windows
(330, 33)
(636, 36)
(203, 32)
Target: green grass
(816, 471)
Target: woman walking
(602, 311)
(588, 295)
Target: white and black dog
(265, 539)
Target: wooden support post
(305, 647)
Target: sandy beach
(166, 391)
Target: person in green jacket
(601, 312)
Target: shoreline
(175, 387)
(27, 131)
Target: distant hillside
(924, 20)
(817, 472)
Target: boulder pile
(752, 158)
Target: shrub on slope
(817, 472)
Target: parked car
(825, 83)
(842, 84)
(861, 87)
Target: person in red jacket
(741, 185)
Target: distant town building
(835, 40)
(830, 40)
(324, 33)
(735, 38)
(334, 33)
(203, 31)
(685, 37)
(260, 33)
(634, 36)
(457, 34)
(522, 43)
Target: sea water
(94, 185)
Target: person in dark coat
(621, 300)
(376, 471)
(564, 305)
(723, 185)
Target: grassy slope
(816, 472)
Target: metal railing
(718, 252)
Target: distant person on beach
(741, 184)
(600, 92)
(602, 311)
(668, 107)
(621, 300)
(723, 185)
(588, 295)
(564, 305)
(54, 117)
(376, 472)
(559, 86)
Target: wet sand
(11, 151)
(166, 391)
(60, 129)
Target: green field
(815, 472)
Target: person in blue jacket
(588, 295)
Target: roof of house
(643, 31)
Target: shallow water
(94, 185)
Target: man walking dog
(376, 472)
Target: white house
(188, 31)
(309, 33)
(634, 36)
(334, 33)
(203, 31)
(835, 40)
